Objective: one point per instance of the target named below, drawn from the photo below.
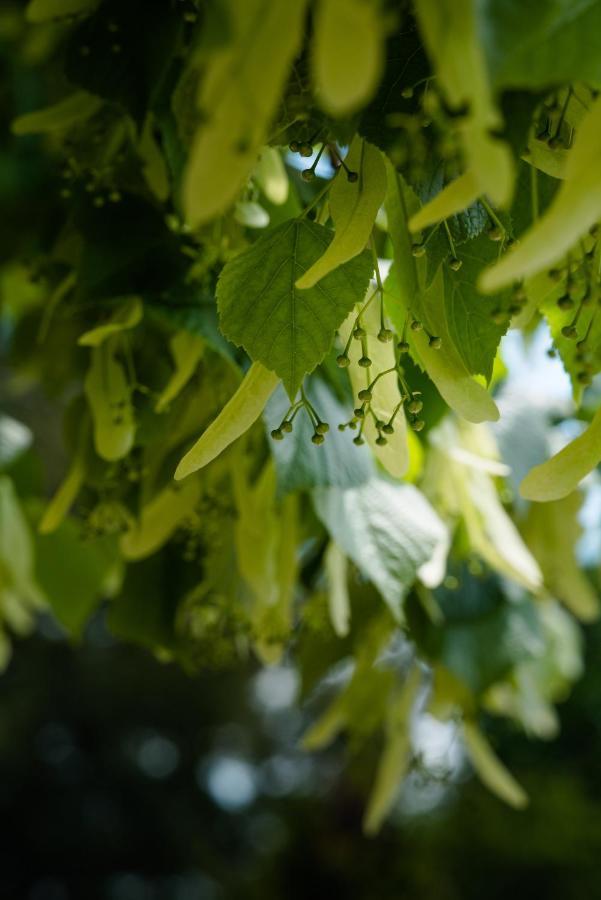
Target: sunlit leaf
(353, 206)
(236, 417)
(290, 331)
(347, 54)
(562, 474)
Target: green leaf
(460, 481)
(187, 350)
(469, 314)
(73, 110)
(449, 29)
(300, 464)
(394, 455)
(552, 533)
(403, 296)
(126, 317)
(266, 539)
(287, 330)
(353, 206)
(390, 531)
(347, 53)
(71, 485)
(561, 474)
(339, 604)
(46, 10)
(543, 44)
(236, 417)
(453, 198)
(490, 769)
(271, 176)
(237, 99)
(396, 754)
(109, 396)
(159, 519)
(575, 208)
(74, 590)
(18, 589)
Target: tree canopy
(263, 260)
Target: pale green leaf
(18, 588)
(561, 474)
(70, 487)
(271, 176)
(461, 488)
(159, 519)
(109, 396)
(453, 198)
(574, 209)
(449, 29)
(552, 533)
(288, 330)
(251, 214)
(388, 530)
(353, 206)
(266, 549)
(187, 350)
(71, 111)
(238, 97)
(396, 754)
(236, 417)
(490, 769)
(386, 397)
(154, 167)
(126, 317)
(339, 604)
(404, 297)
(300, 464)
(347, 53)
(75, 589)
(46, 10)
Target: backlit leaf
(237, 100)
(289, 331)
(347, 54)
(353, 206)
(236, 417)
(561, 474)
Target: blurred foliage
(249, 380)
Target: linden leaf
(236, 417)
(575, 208)
(450, 32)
(453, 198)
(389, 531)
(561, 474)
(187, 350)
(126, 317)
(396, 755)
(403, 296)
(386, 397)
(46, 10)
(354, 207)
(62, 115)
(347, 54)
(339, 603)
(109, 396)
(159, 518)
(552, 532)
(261, 309)
(490, 769)
(238, 97)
